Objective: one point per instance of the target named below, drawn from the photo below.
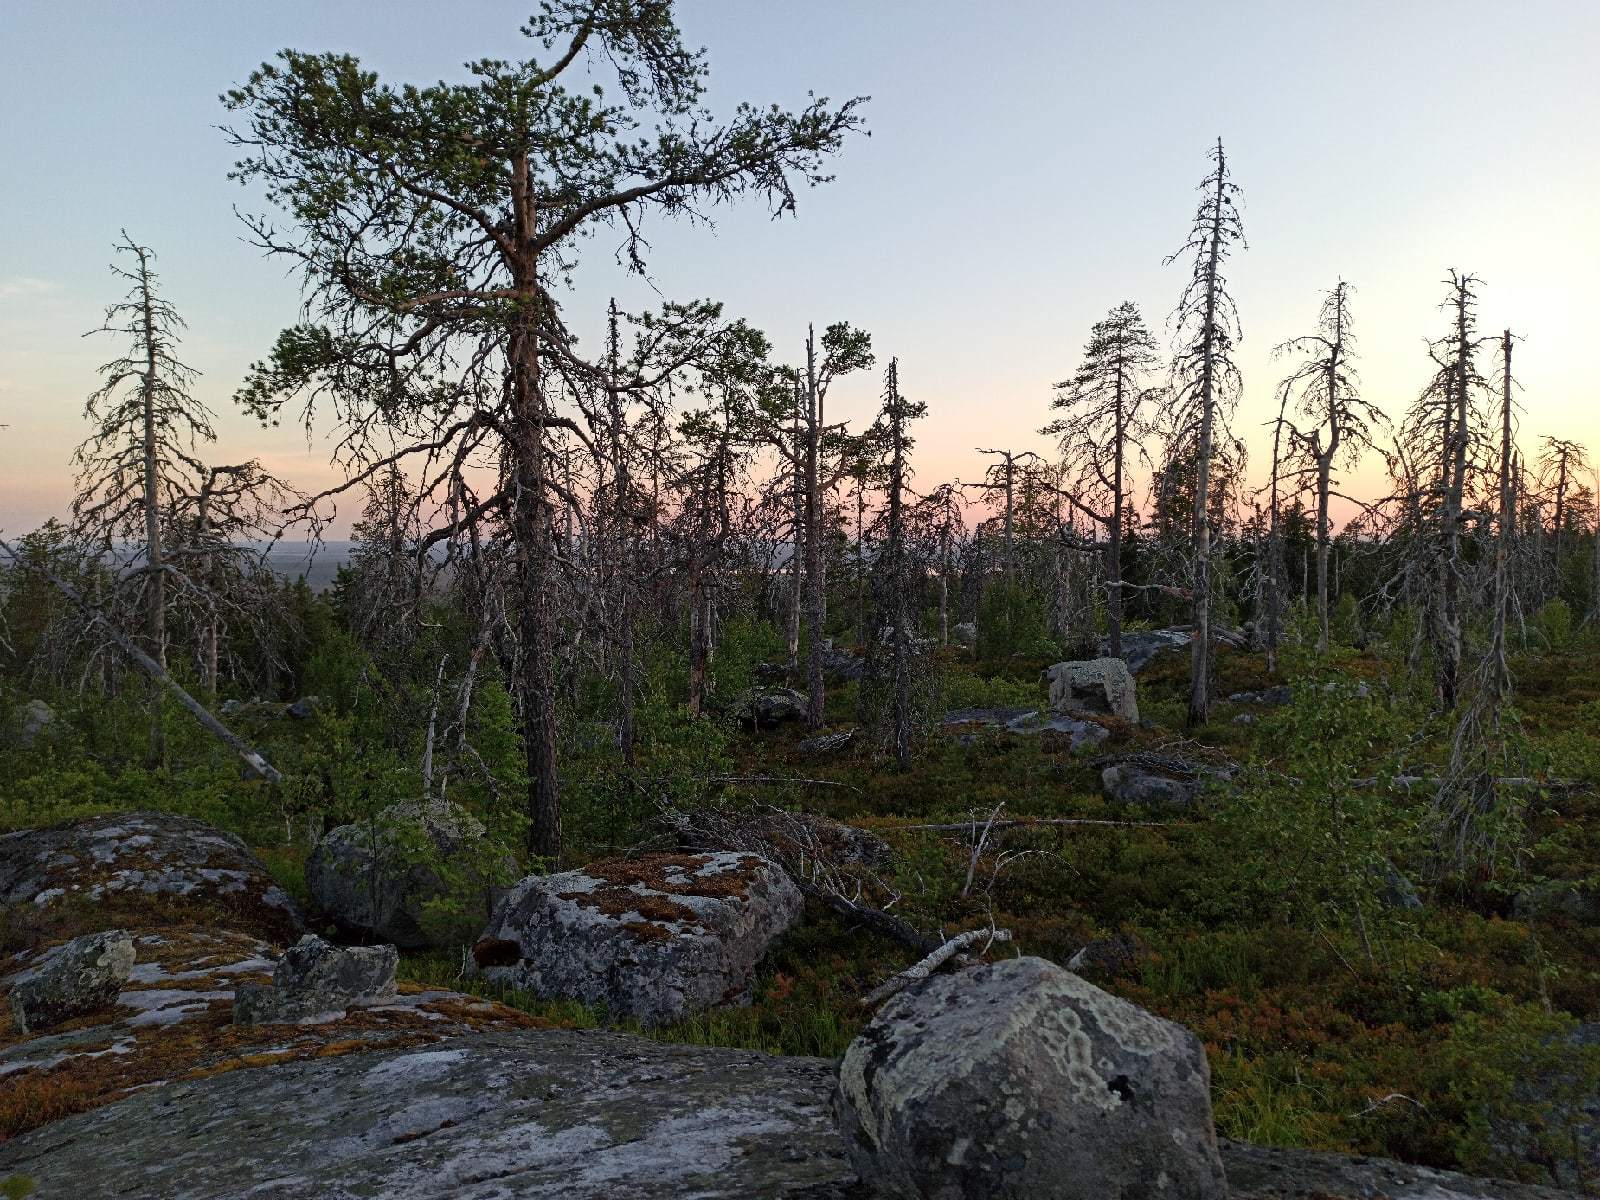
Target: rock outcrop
(654, 938)
(142, 861)
(1060, 727)
(542, 1113)
(72, 980)
(376, 878)
(1096, 685)
(317, 981)
(1018, 1079)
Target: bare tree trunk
(1114, 532)
(1450, 591)
(530, 529)
(1200, 655)
(623, 548)
(796, 546)
(816, 588)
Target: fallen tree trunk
(252, 758)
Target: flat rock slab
(173, 1021)
(153, 865)
(588, 1116)
(491, 1117)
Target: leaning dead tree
(1324, 387)
(253, 760)
(1561, 463)
(432, 320)
(1106, 424)
(1206, 382)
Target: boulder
(841, 666)
(825, 743)
(1019, 1079)
(1398, 892)
(654, 939)
(376, 878)
(32, 721)
(964, 634)
(1096, 685)
(1129, 783)
(73, 979)
(303, 709)
(1140, 647)
(768, 706)
(169, 868)
(318, 981)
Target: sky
(1029, 167)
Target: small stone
(316, 980)
(77, 978)
(31, 722)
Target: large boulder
(376, 879)
(317, 981)
(76, 978)
(1130, 783)
(965, 633)
(155, 867)
(1019, 1079)
(1057, 729)
(654, 938)
(1096, 685)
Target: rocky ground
(151, 1076)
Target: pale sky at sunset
(1030, 165)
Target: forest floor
(1395, 1032)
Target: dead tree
(462, 209)
(140, 457)
(1207, 385)
(1324, 387)
(1561, 461)
(1002, 477)
(1444, 437)
(1106, 425)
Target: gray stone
(655, 938)
(964, 634)
(76, 978)
(1129, 783)
(841, 666)
(1140, 647)
(32, 721)
(1028, 721)
(182, 863)
(547, 1114)
(1096, 685)
(768, 706)
(825, 743)
(1019, 1079)
(556, 1114)
(318, 981)
(304, 708)
(376, 878)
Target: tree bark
(530, 530)
(1200, 656)
(816, 588)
